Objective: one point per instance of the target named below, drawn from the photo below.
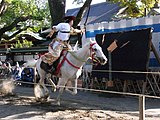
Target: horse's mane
(89, 42)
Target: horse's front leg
(72, 88)
(61, 85)
(74, 83)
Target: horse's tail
(30, 63)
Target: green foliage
(19, 8)
(24, 44)
(27, 44)
(136, 8)
(18, 44)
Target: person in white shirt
(64, 30)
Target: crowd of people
(16, 72)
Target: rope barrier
(105, 91)
(96, 90)
(138, 72)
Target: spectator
(17, 72)
(27, 75)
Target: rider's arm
(52, 31)
(76, 31)
(67, 46)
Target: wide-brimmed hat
(63, 31)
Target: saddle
(50, 65)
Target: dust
(7, 86)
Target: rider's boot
(48, 68)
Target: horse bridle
(91, 51)
(79, 59)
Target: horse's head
(97, 53)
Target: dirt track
(83, 106)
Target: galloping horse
(71, 68)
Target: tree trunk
(57, 10)
(81, 12)
(3, 7)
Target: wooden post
(110, 49)
(142, 107)
(110, 82)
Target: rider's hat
(69, 18)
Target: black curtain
(132, 54)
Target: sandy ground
(85, 105)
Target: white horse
(70, 70)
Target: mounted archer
(59, 43)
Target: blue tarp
(100, 12)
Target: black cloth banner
(132, 54)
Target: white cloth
(61, 28)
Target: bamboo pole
(142, 107)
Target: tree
(3, 7)
(136, 8)
(57, 10)
(19, 15)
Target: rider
(64, 30)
